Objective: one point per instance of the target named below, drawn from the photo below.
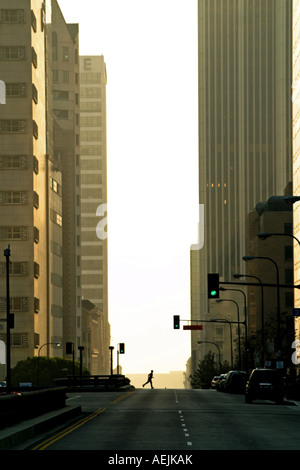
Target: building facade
(94, 265)
(245, 110)
(39, 177)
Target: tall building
(245, 108)
(39, 177)
(66, 136)
(24, 163)
(94, 269)
(296, 158)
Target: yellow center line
(122, 397)
(68, 430)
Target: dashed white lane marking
(189, 443)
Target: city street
(176, 420)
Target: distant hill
(174, 379)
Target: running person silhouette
(150, 377)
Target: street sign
(193, 327)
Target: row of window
(11, 162)
(18, 233)
(19, 304)
(20, 339)
(18, 126)
(17, 53)
(19, 268)
(18, 198)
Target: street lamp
(239, 334)
(245, 311)
(38, 368)
(265, 235)
(238, 276)
(250, 258)
(210, 342)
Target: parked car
(235, 381)
(265, 384)
(220, 383)
(214, 381)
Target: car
(214, 381)
(220, 383)
(235, 381)
(265, 384)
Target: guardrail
(94, 382)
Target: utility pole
(8, 380)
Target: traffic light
(11, 320)
(122, 348)
(176, 320)
(213, 285)
(69, 348)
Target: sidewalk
(13, 436)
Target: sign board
(193, 327)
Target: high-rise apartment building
(245, 111)
(66, 136)
(93, 176)
(39, 177)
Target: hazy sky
(150, 50)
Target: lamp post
(111, 359)
(246, 325)
(238, 276)
(210, 342)
(8, 357)
(239, 334)
(265, 235)
(250, 258)
(38, 368)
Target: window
(16, 268)
(55, 76)
(60, 95)
(12, 53)
(13, 233)
(34, 94)
(34, 57)
(35, 130)
(13, 197)
(66, 76)
(54, 45)
(9, 126)
(61, 113)
(19, 304)
(33, 21)
(36, 270)
(65, 54)
(36, 235)
(35, 165)
(87, 78)
(36, 200)
(16, 90)
(90, 92)
(90, 106)
(10, 162)
(36, 303)
(12, 15)
(56, 217)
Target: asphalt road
(176, 420)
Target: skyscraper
(94, 266)
(245, 110)
(39, 165)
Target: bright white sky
(150, 50)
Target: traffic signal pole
(8, 360)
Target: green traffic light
(213, 293)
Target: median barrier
(19, 406)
